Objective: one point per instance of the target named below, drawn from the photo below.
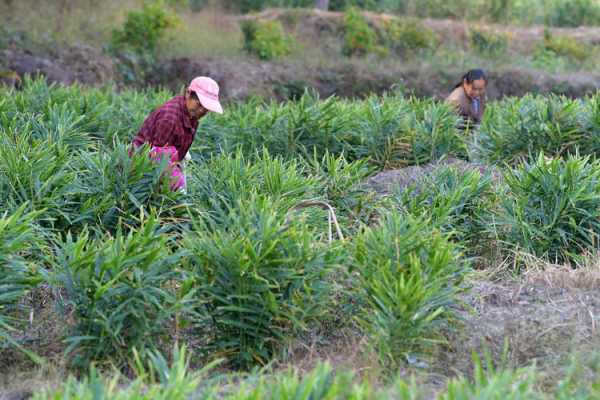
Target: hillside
(518, 66)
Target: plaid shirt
(169, 125)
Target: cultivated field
(465, 264)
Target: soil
(241, 79)
(385, 182)
(83, 64)
(546, 319)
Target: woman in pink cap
(170, 129)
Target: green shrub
(456, 201)
(500, 10)
(409, 275)
(143, 30)
(266, 39)
(564, 46)
(395, 132)
(407, 36)
(390, 131)
(434, 126)
(121, 293)
(288, 130)
(135, 45)
(226, 180)
(321, 383)
(381, 134)
(341, 5)
(552, 208)
(260, 280)
(573, 13)
(37, 172)
(340, 182)
(488, 43)
(359, 37)
(589, 115)
(18, 275)
(515, 128)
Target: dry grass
(348, 350)
(210, 32)
(66, 21)
(584, 277)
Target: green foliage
(227, 180)
(18, 275)
(260, 280)
(409, 276)
(488, 43)
(266, 39)
(456, 201)
(552, 208)
(394, 132)
(115, 186)
(500, 10)
(515, 128)
(574, 13)
(143, 30)
(407, 36)
(321, 383)
(64, 158)
(175, 382)
(359, 37)
(493, 384)
(121, 291)
(389, 131)
(564, 46)
(37, 172)
(136, 44)
(340, 182)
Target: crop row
(231, 267)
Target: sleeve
(164, 131)
(454, 102)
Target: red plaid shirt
(169, 125)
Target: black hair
(193, 94)
(472, 75)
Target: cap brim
(210, 104)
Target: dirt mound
(541, 319)
(386, 182)
(80, 63)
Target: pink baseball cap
(207, 91)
